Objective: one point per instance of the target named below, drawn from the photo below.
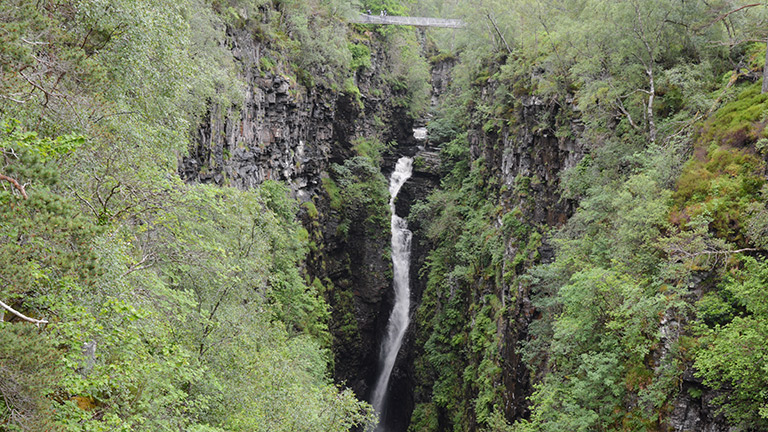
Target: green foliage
(45, 239)
(361, 56)
(364, 192)
(720, 182)
(351, 89)
(170, 307)
(461, 362)
(601, 300)
(310, 38)
(732, 348)
(409, 73)
(371, 149)
(17, 140)
(311, 209)
(266, 64)
(30, 367)
(424, 418)
(334, 194)
(419, 163)
(737, 122)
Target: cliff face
(526, 160)
(288, 132)
(519, 164)
(503, 174)
(531, 162)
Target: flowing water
(399, 319)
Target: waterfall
(398, 320)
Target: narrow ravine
(399, 319)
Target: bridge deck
(408, 21)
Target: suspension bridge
(408, 21)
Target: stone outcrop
(693, 409)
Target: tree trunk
(501, 36)
(765, 71)
(651, 96)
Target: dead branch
(681, 254)
(22, 316)
(139, 265)
(86, 202)
(34, 42)
(36, 85)
(15, 184)
(686, 125)
(12, 99)
(501, 36)
(726, 15)
(734, 77)
(725, 252)
(620, 105)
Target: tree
(758, 22)
(733, 354)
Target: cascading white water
(399, 319)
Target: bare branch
(735, 251)
(12, 99)
(34, 42)
(22, 316)
(620, 106)
(139, 265)
(727, 14)
(734, 77)
(15, 184)
(501, 36)
(86, 202)
(37, 86)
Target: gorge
(250, 215)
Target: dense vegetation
(657, 271)
(159, 305)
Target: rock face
(693, 409)
(287, 132)
(282, 131)
(527, 160)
